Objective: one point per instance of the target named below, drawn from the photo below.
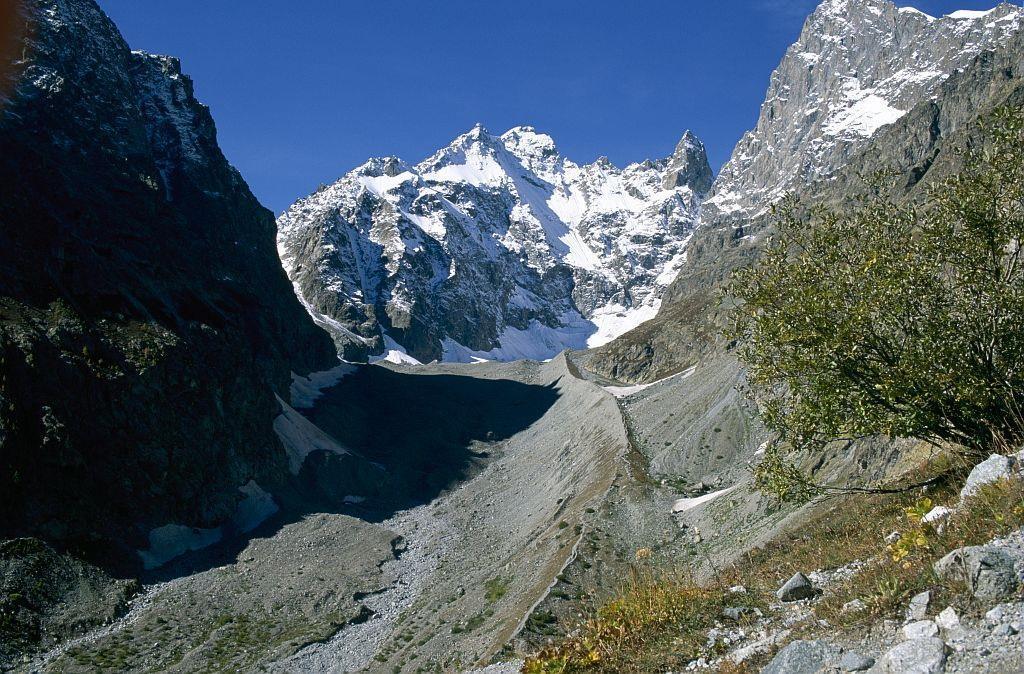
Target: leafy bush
(895, 319)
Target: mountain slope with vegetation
(984, 76)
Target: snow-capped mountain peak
(493, 247)
(383, 166)
(857, 66)
(537, 151)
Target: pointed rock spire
(689, 166)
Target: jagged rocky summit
(858, 69)
(496, 247)
(857, 66)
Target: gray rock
(992, 469)
(803, 657)
(738, 612)
(1005, 630)
(988, 571)
(918, 608)
(689, 166)
(937, 517)
(1001, 613)
(917, 656)
(937, 514)
(796, 588)
(948, 619)
(921, 629)
(852, 661)
(759, 646)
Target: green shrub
(896, 319)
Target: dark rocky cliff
(145, 321)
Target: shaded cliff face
(495, 247)
(867, 87)
(145, 322)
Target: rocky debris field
(287, 587)
(684, 497)
(932, 638)
(944, 643)
(389, 585)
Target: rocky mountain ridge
(145, 323)
(858, 67)
(495, 247)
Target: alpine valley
(460, 404)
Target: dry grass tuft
(655, 624)
(897, 572)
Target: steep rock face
(836, 109)
(857, 66)
(145, 323)
(495, 247)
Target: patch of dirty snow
(626, 391)
(304, 391)
(684, 504)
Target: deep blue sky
(304, 90)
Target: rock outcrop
(989, 572)
(46, 597)
(145, 322)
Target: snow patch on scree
(305, 391)
(301, 437)
(625, 391)
(684, 504)
(537, 342)
(173, 540)
(394, 353)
